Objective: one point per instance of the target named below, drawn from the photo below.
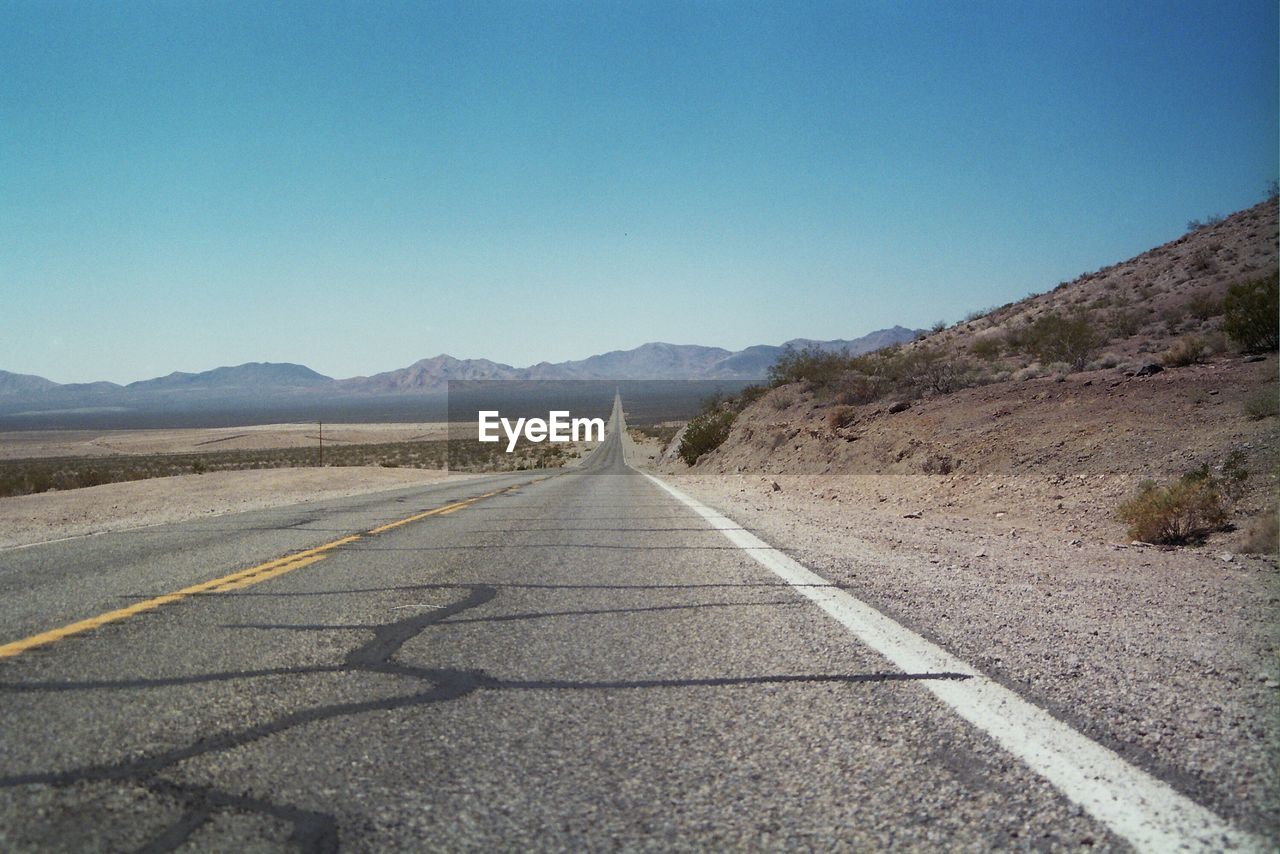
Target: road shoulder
(1166, 657)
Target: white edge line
(1133, 804)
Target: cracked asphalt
(577, 662)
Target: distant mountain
(872, 341)
(251, 375)
(654, 361)
(24, 383)
(428, 375)
(264, 380)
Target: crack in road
(315, 830)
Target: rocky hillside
(1151, 387)
(1140, 308)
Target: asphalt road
(567, 661)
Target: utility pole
(321, 423)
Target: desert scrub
(936, 370)
(706, 432)
(1186, 351)
(841, 416)
(663, 432)
(988, 348)
(710, 427)
(1249, 314)
(1125, 322)
(1264, 404)
(815, 366)
(1262, 536)
(27, 476)
(1060, 338)
(1204, 306)
(1184, 511)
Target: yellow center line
(234, 581)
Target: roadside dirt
(28, 519)
(92, 443)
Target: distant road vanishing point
(549, 660)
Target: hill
(1121, 375)
(251, 375)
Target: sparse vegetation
(938, 464)
(27, 476)
(810, 365)
(1250, 314)
(1186, 351)
(1197, 224)
(858, 388)
(841, 416)
(935, 369)
(1204, 306)
(707, 431)
(1184, 511)
(866, 378)
(987, 348)
(1262, 536)
(1125, 322)
(1264, 404)
(663, 433)
(1056, 337)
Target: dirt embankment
(1056, 455)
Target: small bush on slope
(1251, 314)
(1182, 512)
(1061, 338)
(706, 432)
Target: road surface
(532, 660)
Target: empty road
(533, 660)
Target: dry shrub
(857, 388)
(1182, 512)
(988, 347)
(1262, 536)
(1249, 314)
(705, 433)
(1061, 338)
(841, 416)
(1186, 351)
(939, 464)
(1264, 404)
(1204, 306)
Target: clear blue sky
(357, 186)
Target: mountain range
(653, 361)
